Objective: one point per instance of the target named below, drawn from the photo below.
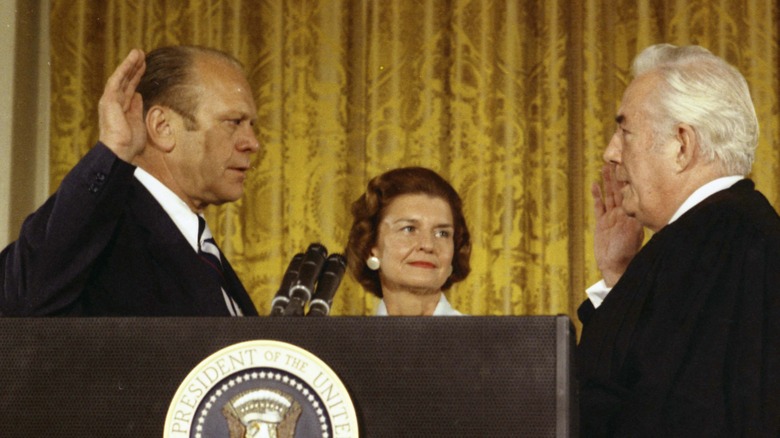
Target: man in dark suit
(681, 336)
(124, 233)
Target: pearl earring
(373, 263)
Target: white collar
(443, 308)
(704, 192)
(181, 215)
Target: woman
(409, 242)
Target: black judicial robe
(687, 343)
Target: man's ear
(687, 146)
(160, 129)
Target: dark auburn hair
(369, 209)
(170, 75)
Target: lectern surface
(407, 377)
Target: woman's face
(415, 244)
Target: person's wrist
(124, 153)
(611, 280)
(611, 274)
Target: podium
(407, 377)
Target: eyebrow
(417, 221)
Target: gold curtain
(512, 101)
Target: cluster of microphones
(298, 284)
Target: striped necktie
(209, 253)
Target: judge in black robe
(687, 341)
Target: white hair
(704, 91)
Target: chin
(424, 287)
(231, 196)
(630, 209)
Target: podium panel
(407, 377)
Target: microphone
(329, 281)
(281, 299)
(302, 288)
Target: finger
(123, 81)
(134, 76)
(609, 186)
(598, 202)
(125, 70)
(617, 195)
(616, 187)
(136, 106)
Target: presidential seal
(267, 389)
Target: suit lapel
(174, 255)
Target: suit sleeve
(45, 270)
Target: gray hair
(704, 91)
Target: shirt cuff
(597, 293)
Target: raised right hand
(120, 110)
(618, 237)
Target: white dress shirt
(599, 291)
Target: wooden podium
(407, 377)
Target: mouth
(620, 177)
(240, 169)
(621, 181)
(421, 264)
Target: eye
(443, 233)
(408, 228)
(233, 122)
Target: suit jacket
(686, 343)
(103, 246)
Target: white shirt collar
(704, 192)
(181, 215)
(443, 308)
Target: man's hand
(618, 237)
(120, 110)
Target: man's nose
(248, 138)
(612, 152)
